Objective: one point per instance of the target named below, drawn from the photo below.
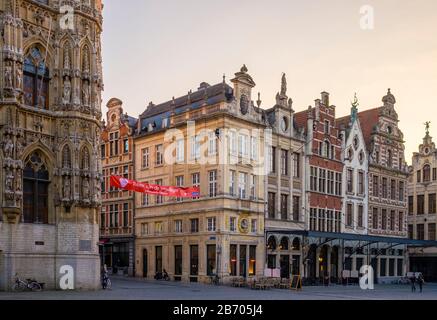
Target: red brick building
(117, 215)
(323, 186)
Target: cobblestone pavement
(136, 289)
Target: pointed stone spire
(259, 101)
(284, 85)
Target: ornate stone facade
(51, 140)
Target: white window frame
(212, 224)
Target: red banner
(130, 185)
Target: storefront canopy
(355, 237)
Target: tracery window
(36, 181)
(36, 80)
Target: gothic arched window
(36, 80)
(284, 244)
(36, 183)
(85, 159)
(66, 158)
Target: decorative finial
(427, 126)
(224, 78)
(259, 101)
(284, 85)
(244, 69)
(355, 103)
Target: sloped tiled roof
(214, 91)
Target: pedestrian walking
(421, 282)
(413, 283)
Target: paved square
(136, 289)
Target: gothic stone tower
(50, 113)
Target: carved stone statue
(427, 126)
(66, 98)
(86, 189)
(8, 148)
(9, 180)
(8, 77)
(86, 94)
(67, 188)
(19, 180)
(19, 79)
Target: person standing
(421, 282)
(413, 283)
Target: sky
(156, 49)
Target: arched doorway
(323, 264)
(312, 263)
(145, 262)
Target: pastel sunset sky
(156, 49)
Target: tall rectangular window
(178, 226)
(338, 184)
(233, 259)
(158, 259)
(434, 174)
(243, 257)
(401, 222)
(392, 220)
(361, 182)
(322, 180)
(125, 146)
(232, 175)
(432, 232)
(331, 182)
(159, 198)
(212, 224)
(212, 183)
(375, 186)
(178, 256)
(410, 205)
(411, 231)
(271, 204)
(233, 142)
(254, 148)
(350, 180)
(179, 183)
(113, 143)
(375, 219)
(194, 260)
(296, 165)
(393, 189)
(401, 191)
(103, 151)
(180, 151)
(421, 204)
(360, 216)
(313, 178)
(349, 215)
(194, 225)
(418, 174)
(296, 208)
(384, 219)
(432, 204)
(242, 185)
(284, 207)
(232, 224)
(284, 162)
(212, 144)
(125, 215)
(211, 260)
(145, 158)
(253, 186)
(159, 154)
(384, 188)
(252, 261)
(195, 178)
(243, 145)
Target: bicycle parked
(29, 284)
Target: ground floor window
(243, 257)
(211, 259)
(233, 259)
(391, 267)
(360, 263)
(252, 260)
(400, 267)
(120, 255)
(158, 259)
(178, 260)
(194, 260)
(271, 261)
(383, 267)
